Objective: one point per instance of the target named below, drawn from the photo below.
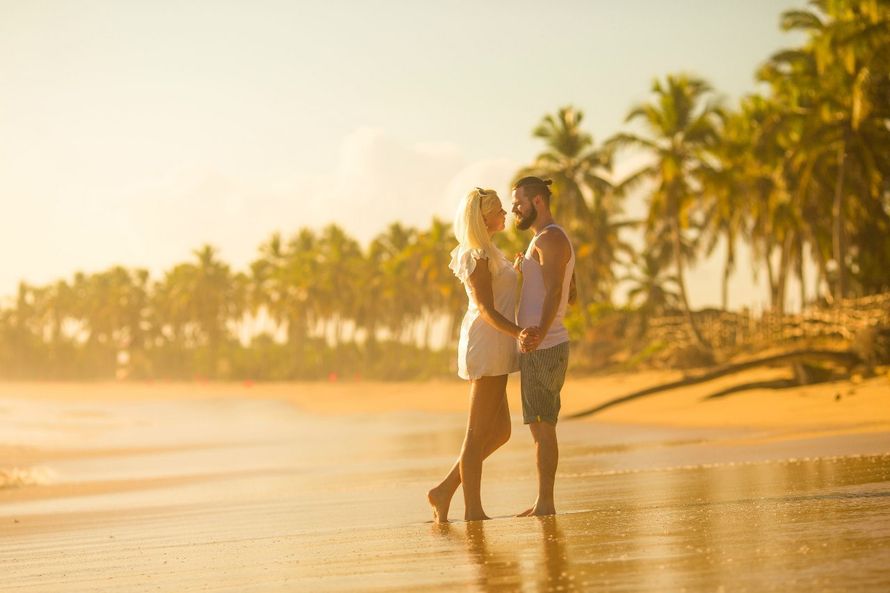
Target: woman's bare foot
(538, 510)
(440, 502)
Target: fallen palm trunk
(844, 357)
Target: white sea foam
(17, 477)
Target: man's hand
(517, 261)
(530, 338)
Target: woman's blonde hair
(469, 223)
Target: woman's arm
(481, 291)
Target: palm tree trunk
(457, 319)
(820, 275)
(338, 330)
(582, 288)
(837, 213)
(821, 266)
(678, 260)
(428, 330)
(784, 265)
(727, 272)
(801, 277)
(770, 276)
(296, 331)
(371, 340)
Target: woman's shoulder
(463, 261)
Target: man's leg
(547, 457)
(543, 375)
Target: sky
(134, 132)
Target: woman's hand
(530, 338)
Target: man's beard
(525, 222)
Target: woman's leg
(499, 433)
(485, 399)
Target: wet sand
(124, 487)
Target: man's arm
(554, 252)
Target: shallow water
(252, 495)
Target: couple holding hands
(498, 338)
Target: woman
(487, 350)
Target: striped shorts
(542, 374)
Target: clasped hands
(530, 338)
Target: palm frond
(632, 181)
(625, 140)
(800, 20)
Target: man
(547, 281)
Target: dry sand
(320, 487)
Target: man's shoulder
(553, 237)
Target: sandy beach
(321, 487)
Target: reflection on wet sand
(498, 567)
(502, 566)
(799, 525)
(791, 526)
(557, 574)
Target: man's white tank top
(531, 297)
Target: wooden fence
(728, 330)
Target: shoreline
(837, 405)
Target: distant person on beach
(487, 349)
(547, 268)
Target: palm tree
(302, 295)
(196, 301)
(681, 125)
(265, 275)
(393, 297)
(113, 304)
(650, 291)
(216, 301)
(739, 191)
(27, 328)
(575, 165)
(837, 87)
(583, 198)
(340, 261)
(283, 281)
(601, 246)
(442, 296)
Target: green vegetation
(800, 173)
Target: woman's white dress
(482, 350)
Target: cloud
(234, 214)
(381, 179)
(157, 221)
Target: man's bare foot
(480, 516)
(440, 502)
(539, 510)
